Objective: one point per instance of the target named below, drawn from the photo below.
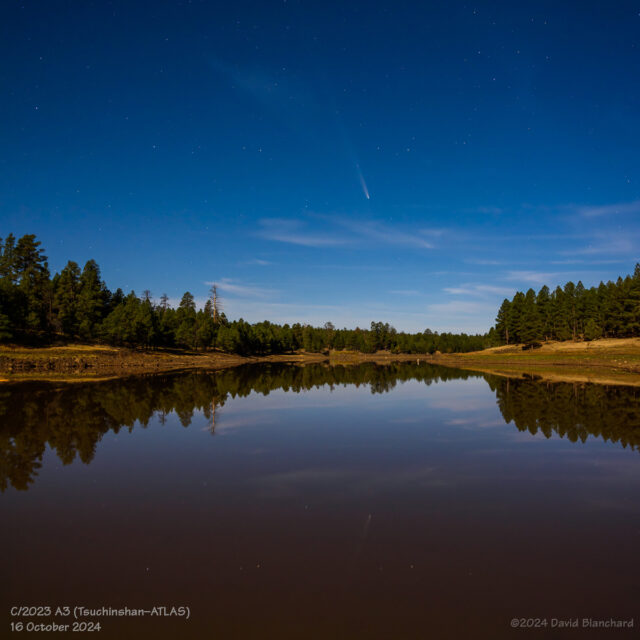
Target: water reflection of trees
(71, 420)
(571, 410)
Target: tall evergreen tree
(570, 308)
(503, 321)
(517, 313)
(8, 260)
(543, 307)
(186, 331)
(631, 308)
(91, 300)
(33, 281)
(530, 328)
(65, 299)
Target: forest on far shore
(572, 312)
(76, 304)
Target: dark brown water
(407, 501)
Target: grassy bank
(612, 361)
(605, 361)
(88, 362)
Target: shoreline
(85, 363)
(606, 361)
(601, 362)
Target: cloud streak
(259, 262)
(233, 287)
(405, 292)
(533, 277)
(339, 232)
(614, 245)
(384, 234)
(480, 290)
(461, 308)
(620, 208)
(292, 232)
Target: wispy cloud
(480, 290)
(567, 209)
(461, 307)
(433, 232)
(258, 309)
(405, 292)
(233, 287)
(551, 277)
(534, 277)
(484, 262)
(489, 210)
(385, 234)
(259, 262)
(617, 245)
(293, 232)
(339, 231)
(583, 261)
(620, 208)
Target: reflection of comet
(365, 531)
(363, 539)
(363, 183)
(359, 547)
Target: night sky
(409, 162)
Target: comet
(363, 184)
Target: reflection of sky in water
(348, 443)
(424, 493)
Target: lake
(281, 501)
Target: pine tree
(65, 299)
(186, 320)
(529, 324)
(8, 265)
(580, 309)
(126, 324)
(543, 307)
(5, 328)
(592, 330)
(145, 323)
(517, 313)
(34, 281)
(570, 308)
(503, 321)
(205, 328)
(91, 300)
(600, 305)
(631, 308)
(592, 326)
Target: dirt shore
(85, 362)
(602, 361)
(75, 363)
(608, 361)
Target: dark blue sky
(411, 162)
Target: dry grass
(604, 345)
(607, 361)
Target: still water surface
(401, 501)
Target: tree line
(77, 304)
(572, 312)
